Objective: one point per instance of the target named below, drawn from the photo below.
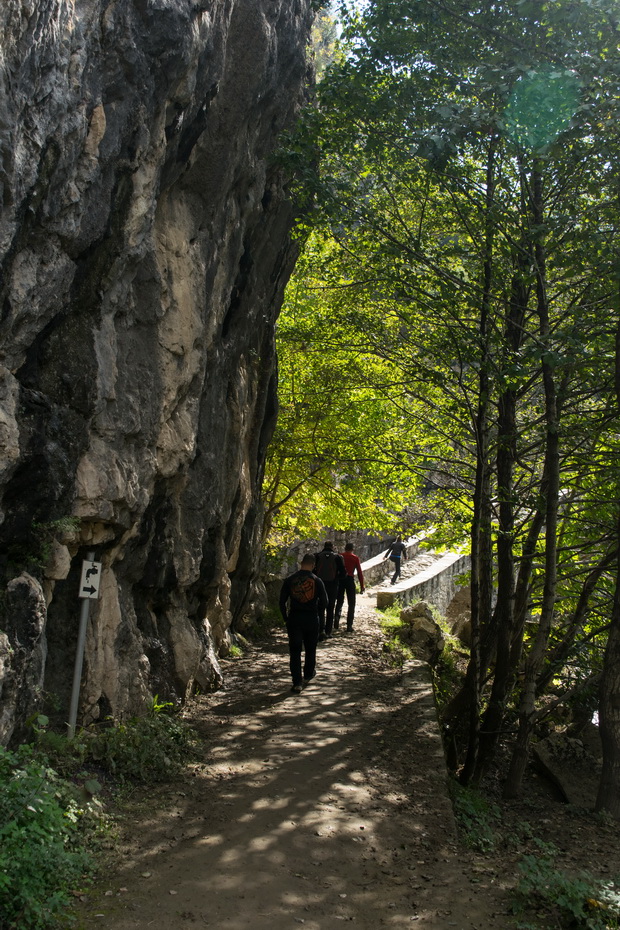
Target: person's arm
(360, 574)
(284, 596)
(342, 571)
(322, 593)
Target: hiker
(396, 553)
(352, 564)
(305, 595)
(329, 567)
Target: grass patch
(391, 625)
(477, 818)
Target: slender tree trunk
(538, 650)
(481, 536)
(504, 671)
(608, 798)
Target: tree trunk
(481, 536)
(504, 671)
(538, 650)
(608, 797)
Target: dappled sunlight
(308, 808)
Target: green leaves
(39, 862)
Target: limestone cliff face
(143, 251)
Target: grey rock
(144, 249)
(23, 651)
(421, 633)
(461, 628)
(573, 766)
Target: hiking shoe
(308, 678)
(296, 689)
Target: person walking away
(329, 567)
(352, 565)
(304, 594)
(396, 553)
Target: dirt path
(309, 809)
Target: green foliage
(33, 551)
(149, 748)
(394, 647)
(580, 902)
(458, 177)
(324, 37)
(146, 749)
(41, 859)
(477, 818)
(449, 672)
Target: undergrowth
(149, 748)
(556, 899)
(545, 898)
(45, 830)
(50, 815)
(477, 818)
(391, 625)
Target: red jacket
(353, 564)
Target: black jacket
(340, 572)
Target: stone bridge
(432, 577)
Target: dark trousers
(303, 633)
(346, 587)
(396, 569)
(326, 617)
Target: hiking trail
(307, 810)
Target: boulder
(421, 633)
(23, 651)
(461, 628)
(571, 765)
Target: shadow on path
(309, 809)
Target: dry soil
(315, 810)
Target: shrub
(580, 902)
(148, 749)
(41, 859)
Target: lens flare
(541, 106)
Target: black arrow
(90, 590)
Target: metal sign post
(89, 590)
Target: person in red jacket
(352, 564)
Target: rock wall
(143, 254)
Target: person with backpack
(329, 567)
(305, 595)
(396, 553)
(352, 565)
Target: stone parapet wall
(378, 567)
(437, 585)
